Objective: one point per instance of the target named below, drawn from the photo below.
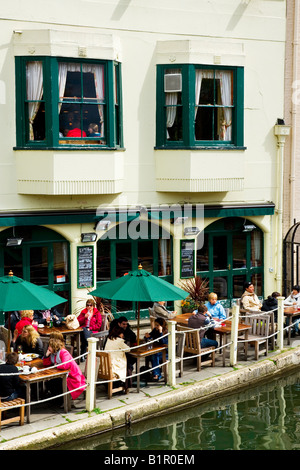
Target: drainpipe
(294, 114)
(281, 131)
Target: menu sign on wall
(187, 258)
(85, 263)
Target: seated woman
(116, 345)
(159, 310)
(57, 355)
(90, 320)
(29, 341)
(26, 319)
(159, 330)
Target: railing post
(91, 373)
(280, 322)
(171, 366)
(234, 334)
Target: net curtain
(225, 78)
(97, 70)
(34, 89)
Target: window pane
(60, 263)
(239, 249)
(34, 97)
(238, 286)
(220, 252)
(145, 255)
(256, 280)
(39, 265)
(164, 257)
(205, 123)
(103, 260)
(13, 261)
(220, 287)
(256, 248)
(202, 256)
(174, 123)
(123, 258)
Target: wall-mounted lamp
(88, 237)
(191, 231)
(14, 241)
(180, 220)
(248, 228)
(103, 224)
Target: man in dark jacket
(199, 320)
(10, 384)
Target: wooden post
(91, 374)
(171, 366)
(280, 322)
(234, 334)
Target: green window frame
(179, 114)
(40, 110)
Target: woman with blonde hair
(57, 355)
(26, 319)
(215, 308)
(29, 341)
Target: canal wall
(167, 402)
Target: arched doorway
(231, 254)
(117, 255)
(42, 258)
(291, 253)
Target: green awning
(90, 216)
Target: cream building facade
(184, 171)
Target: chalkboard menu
(187, 258)
(85, 263)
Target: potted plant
(197, 288)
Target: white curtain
(163, 254)
(97, 70)
(171, 102)
(225, 78)
(34, 85)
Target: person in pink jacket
(56, 354)
(90, 320)
(26, 319)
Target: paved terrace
(49, 424)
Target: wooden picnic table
(41, 377)
(46, 332)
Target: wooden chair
(6, 405)
(101, 336)
(259, 333)
(192, 346)
(70, 349)
(104, 372)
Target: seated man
(200, 319)
(249, 300)
(160, 311)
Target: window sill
(201, 147)
(73, 147)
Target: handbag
(72, 322)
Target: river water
(266, 417)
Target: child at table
(159, 331)
(57, 355)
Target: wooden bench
(6, 405)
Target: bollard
(171, 366)
(280, 322)
(91, 374)
(234, 334)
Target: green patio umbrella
(18, 294)
(139, 286)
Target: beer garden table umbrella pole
(139, 286)
(18, 294)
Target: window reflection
(39, 265)
(60, 262)
(239, 249)
(256, 248)
(220, 287)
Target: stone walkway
(46, 416)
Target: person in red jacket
(90, 320)
(26, 319)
